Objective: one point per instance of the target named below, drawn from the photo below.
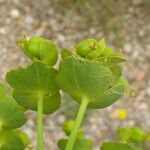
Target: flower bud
(40, 49)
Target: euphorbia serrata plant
(129, 139)
(91, 74)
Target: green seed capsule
(33, 46)
(68, 126)
(85, 47)
(40, 49)
(92, 49)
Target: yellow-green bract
(83, 78)
(95, 73)
(40, 49)
(33, 83)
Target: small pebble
(2, 30)
(14, 13)
(127, 48)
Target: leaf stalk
(1, 126)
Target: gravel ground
(20, 17)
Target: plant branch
(40, 142)
(0, 126)
(77, 124)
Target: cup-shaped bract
(33, 81)
(85, 78)
(40, 49)
(9, 140)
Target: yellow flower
(122, 114)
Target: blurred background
(125, 25)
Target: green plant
(93, 77)
(34, 86)
(129, 139)
(91, 74)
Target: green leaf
(2, 91)
(80, 77)
(117, 146)
(80, 144)
(40, 49)
(10, 141)
(124, 134)
(11, 115)
(24, 137)
(137, 135)
(30, 81)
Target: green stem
(40, 142)
(1, 126)
(77, 124)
